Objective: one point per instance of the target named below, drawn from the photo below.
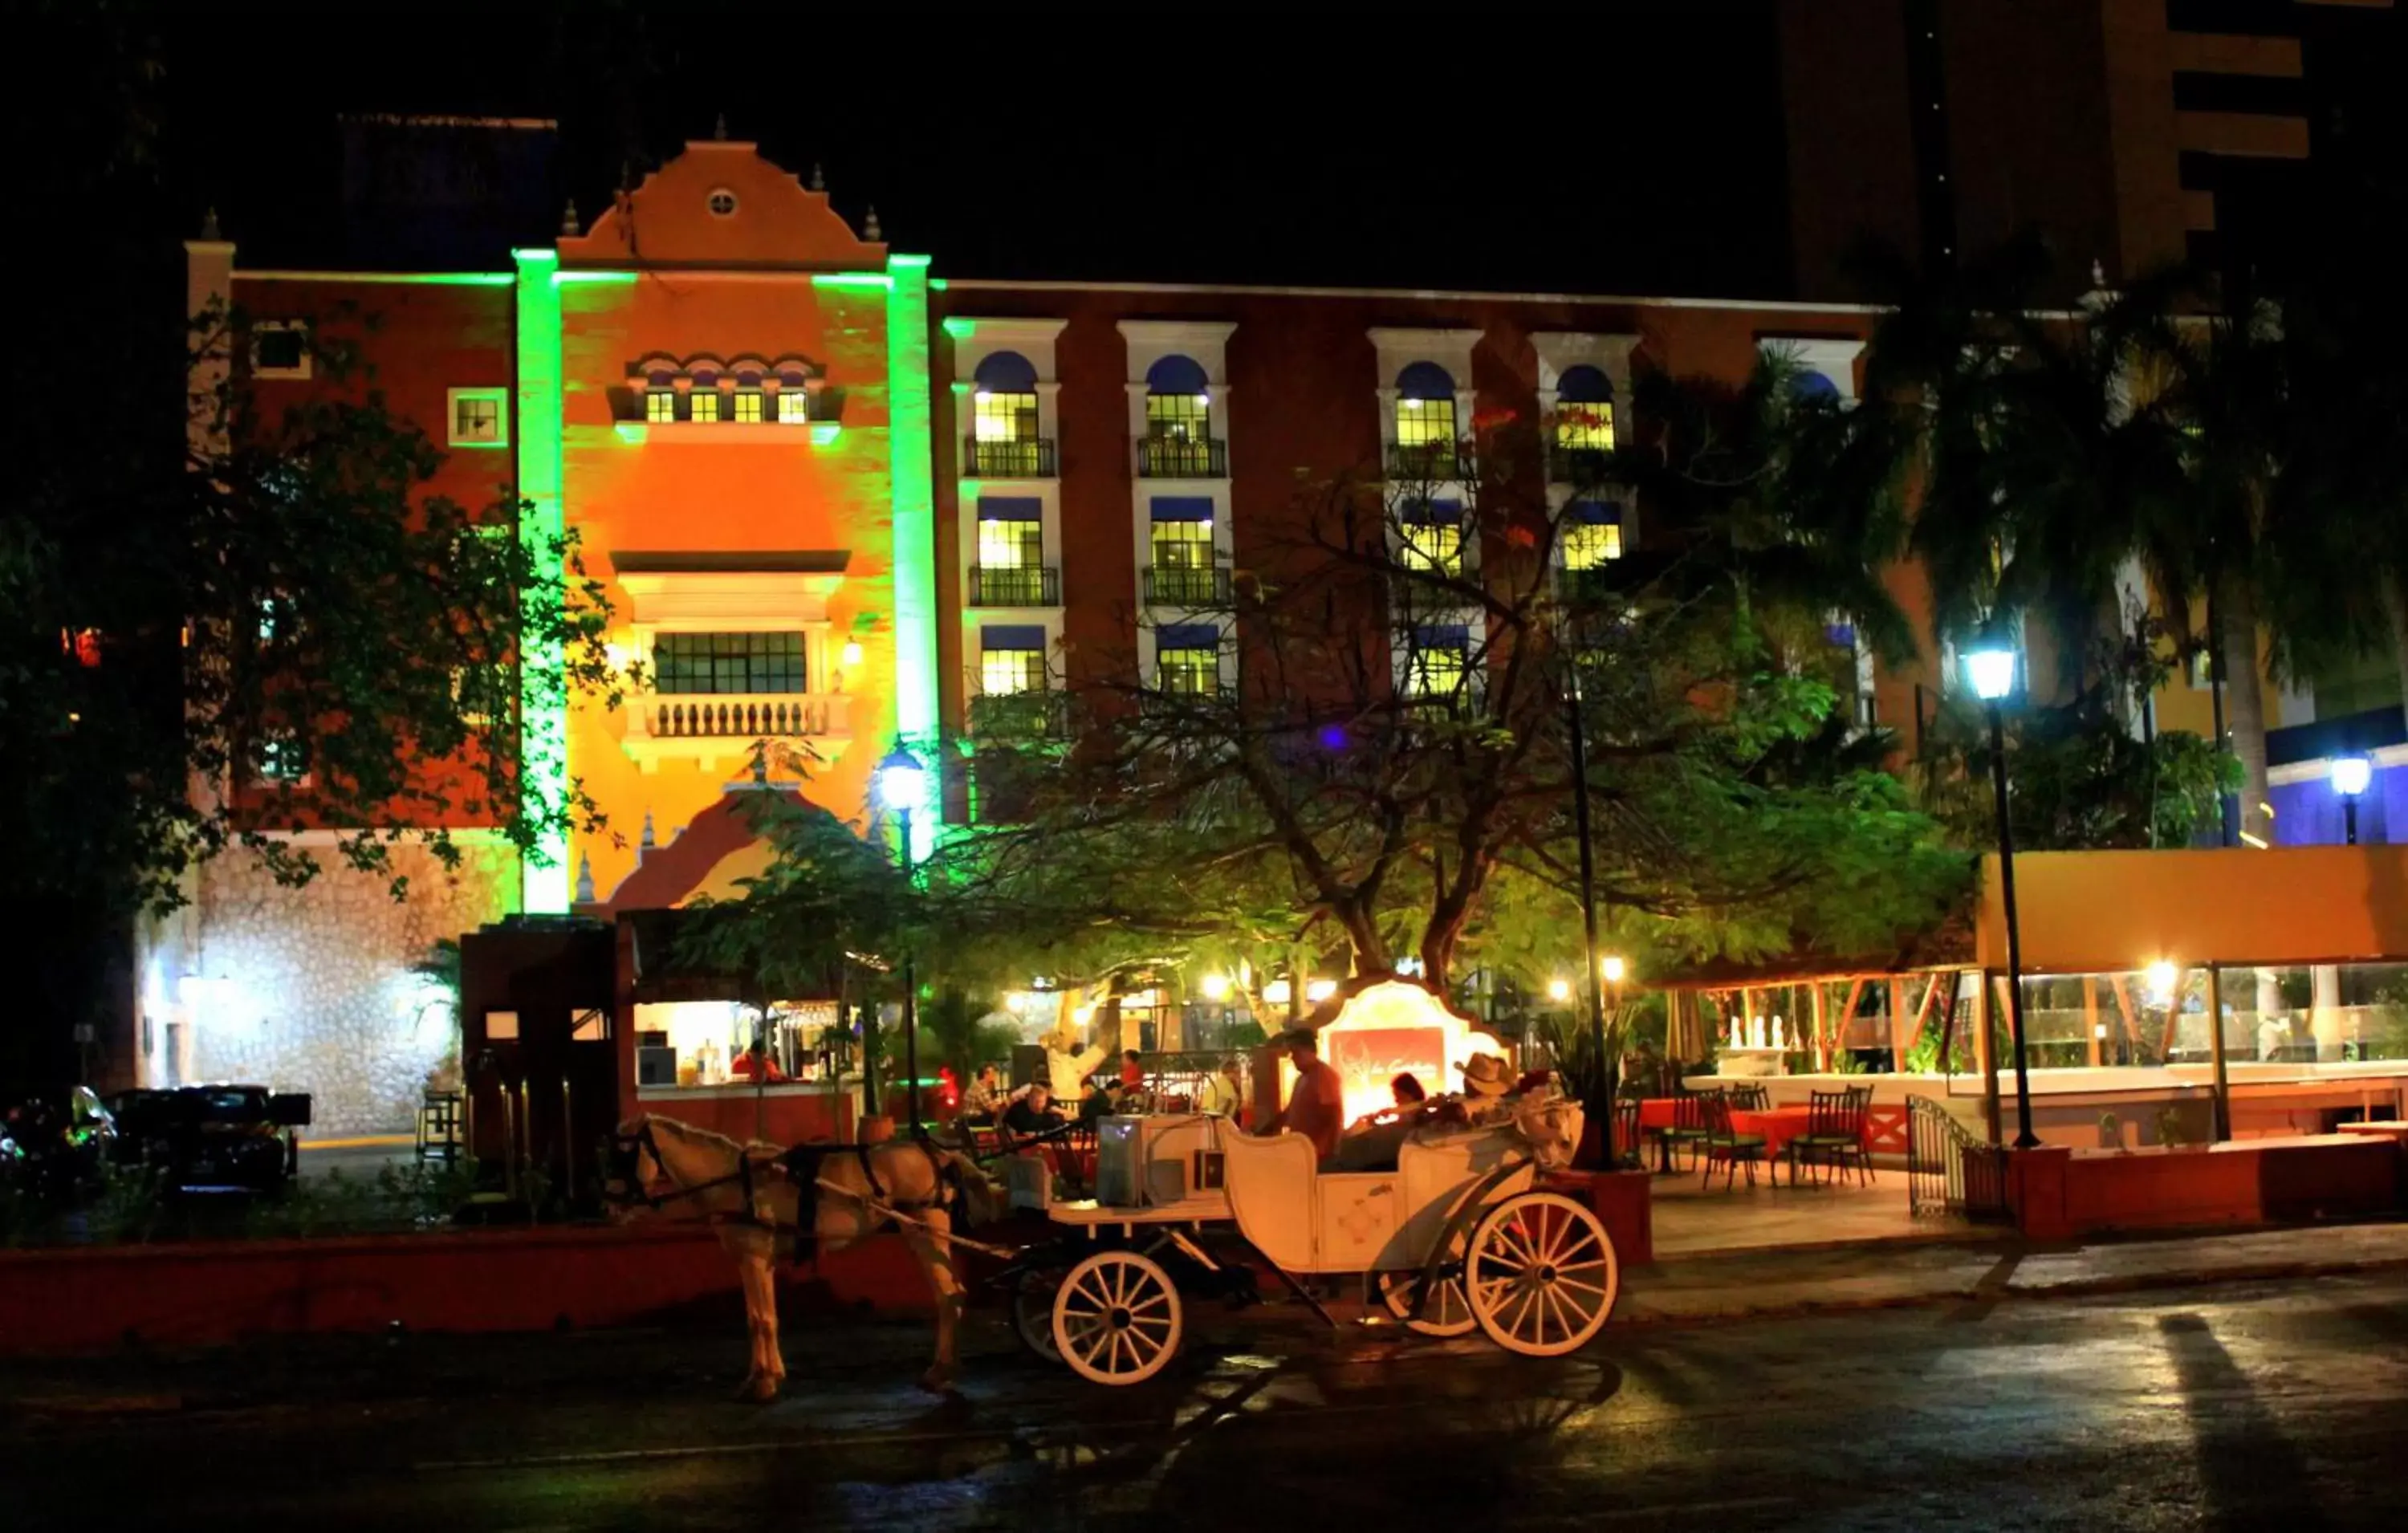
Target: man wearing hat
(1486, 1080)
(1316, 1107)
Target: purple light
(1332, 737)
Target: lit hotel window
(1432, 539)
(1592, 535)
(660, 404)
(794, 406)
(747, 406)
(705, 405)
(1006, 673)
(1437, 664)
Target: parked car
(215, 1136)
(54, 1145)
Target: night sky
(1373, 150)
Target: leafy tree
(1418, 802)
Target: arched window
(1004, 432)
(1814, 388)
(1584, 408)
(1179, 422)
(1426, 425)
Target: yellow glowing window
(705, 405)
(1425, 422)
(1010, 545)
(1433, 546)
(1435, 670)
(1587, 425)
(660, 404)
(1178, 417)
(1004, 417)
(747, 406)
(1183, 545)
(1190, 671)
(1005, 673)
(1588, 545)
(794, 406)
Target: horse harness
(801, 1164)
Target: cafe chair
(1723, 1146)
(1835, 1134)
(1625, 1129)
(1750, 1098)
(1688, 1130)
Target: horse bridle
(627, 1167)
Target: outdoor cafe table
(1778, 1125)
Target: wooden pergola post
(2090, 1015)
(1821, 1029)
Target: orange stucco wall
(720, 490)
(2100, 911)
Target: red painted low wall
(2058, 1193)
(90, 1300)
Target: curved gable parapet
(721, 205)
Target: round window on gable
(722, 203)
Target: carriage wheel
(1447, 1313)
(1117, 1319)
(1032, 1311)
(1541, 1276)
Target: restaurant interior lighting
(1320, 990)
(1276, 993)
(2161, 977)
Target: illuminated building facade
(835, 502)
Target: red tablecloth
(1778, 1125)
(1656, 1112)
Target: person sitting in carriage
(1374, 1141)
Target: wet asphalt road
(2278, 1406)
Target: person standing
(1316, 1105)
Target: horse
(753, 1194)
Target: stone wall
(310, 989)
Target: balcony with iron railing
(1582, 466)
(1010, 717)
(1029, 457)
(1162, 457)
(1431, 463)
(1016, 585)
(710, 727)
(1174, 585)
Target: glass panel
(706, 405)
(1183, 545)
(794, 406)
(728, 662)
(1189, 671)
(1177, 418)
(1425, 422)
(1010, 545)
(1435, 671)
(1005, 673)
(1436, 547)
(1004, 417)
(1588, 545)
(747, 406)
(477, 418)
(1589, 425)
(660, 404)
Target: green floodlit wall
(543, 708)
(909, 433)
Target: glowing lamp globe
(1991, 672)
(2351, 775)
(1559, 991)
(902, 781)
(1215, 987)
(1613, 968)
(2161, 977)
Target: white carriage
(1457, 1237)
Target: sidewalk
(1696, 1289)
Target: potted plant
(1616, 1189)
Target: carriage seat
(1305, 1219)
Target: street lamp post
(1992, 671)
(2350, 777)
(902, 786)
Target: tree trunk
(2245, 712)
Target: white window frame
(501, 401)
